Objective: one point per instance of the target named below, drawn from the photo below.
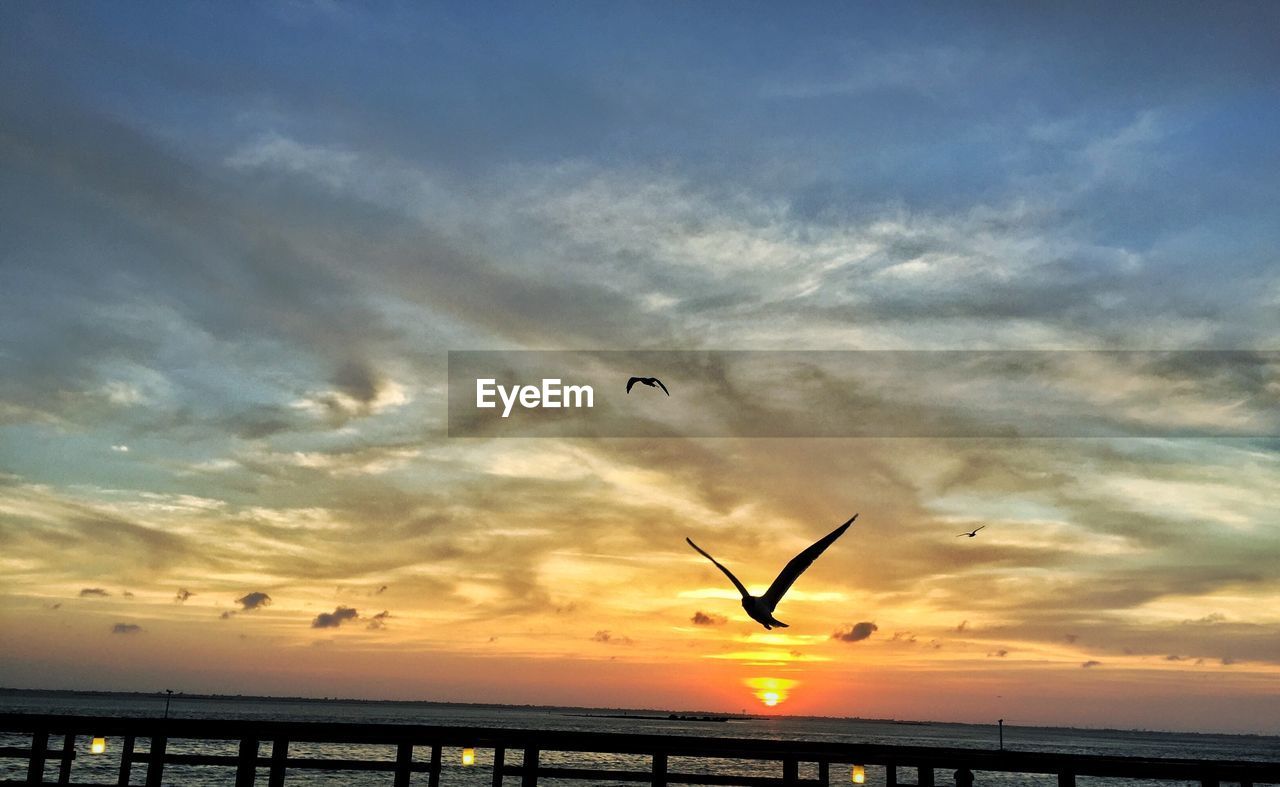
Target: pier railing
(520, 754)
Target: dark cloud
(380, 590)
(127, 594)
(609, 638)
(856, 632)
(252, 601)
(1091, 663)
(964, 624)
(701, 618)
(998, 654)
(379, 620)
(182, 595)
(94, 593)
(126, 628)
(334, 619)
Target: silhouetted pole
(167, 694)
(1002, 735)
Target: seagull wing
(663, 387)
(632, 382)
(726, 571)
(962, 535)
(799, 563)
(978, 528)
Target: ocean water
(103, 768)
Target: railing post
(660, 769)
(926, 776)
(790, 771)
(1066, 779)
(68, 754)
(155, 760)
(499, 762)
(1209, 780)
(247, 766)
(433, 775)
(529, 773)
(824, 773)
(890, 776)
(126, 762)
(404, 764)
(964, 777)
(35, 763)
(279, 762)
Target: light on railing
(468, 756)
(858, 775)
(98, 746)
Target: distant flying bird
(652, 382)
(971, 533)
(760, 608)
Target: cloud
(379, 620)
(609, 638)
(120, 449)
(126, 628)
(380, 590)
(252, 601)
(334, 619)
(856, 632)
(94, 593)
(701, 618)
(182, 595)
(964, 624)
(127, 594)
(999, 654)
(1091, 663)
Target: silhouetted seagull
(760, 608)
(971, 533)
(652, 382)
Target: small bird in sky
(760, 608)
(652, 382)
(971, 533)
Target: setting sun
(771, 691)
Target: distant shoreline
(654, 714)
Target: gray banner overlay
(1068, 393)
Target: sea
(102, 769)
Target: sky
(240, 240)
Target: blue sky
(240, 239)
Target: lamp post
(1002, 735)
(168, 693)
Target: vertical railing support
(279, 762)
(926, 776)
(790, 771)
(529, 773)
(247, 763)
(433, 774)
(1209, 780)
(824, 773)
(1066, 779)
(35, 763)
(155, 761)
(126, 762)
(890, 776)
(499, 762)
(68, 754)
(404, 764)
(659, 769)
